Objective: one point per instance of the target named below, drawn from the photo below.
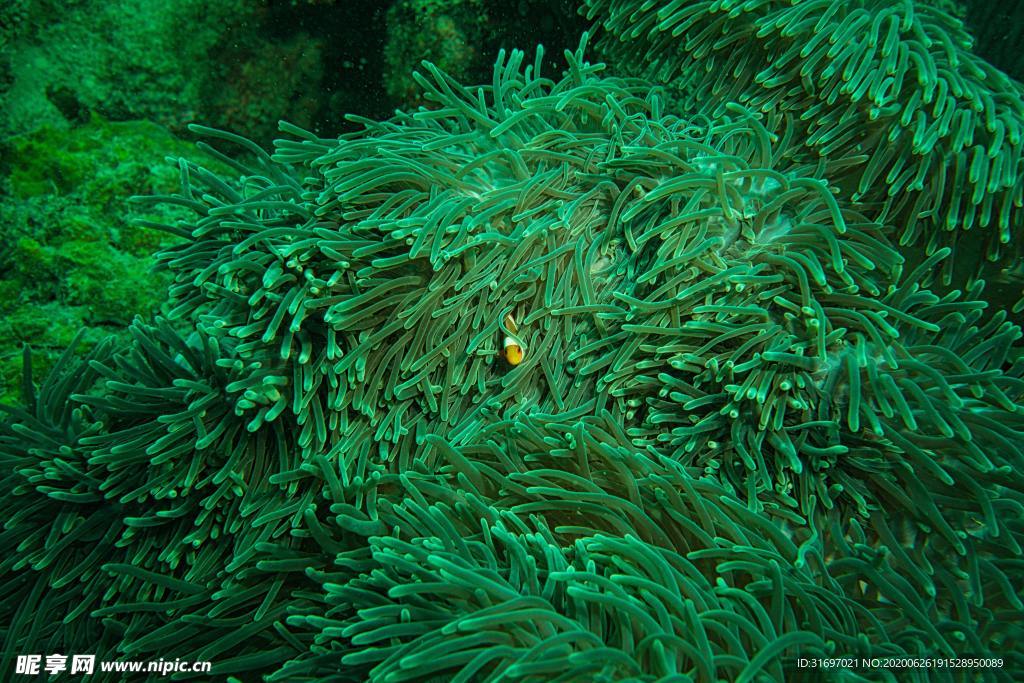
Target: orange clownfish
(512, 351)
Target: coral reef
(137, 59)
(129, 59)
(743, 431)
(243, 65)
(70, 259)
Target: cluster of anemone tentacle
(740, 433)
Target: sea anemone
(739, 433)
(925, 136)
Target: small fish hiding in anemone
(511, 349)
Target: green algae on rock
(70, 258)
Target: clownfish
(512, 351)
